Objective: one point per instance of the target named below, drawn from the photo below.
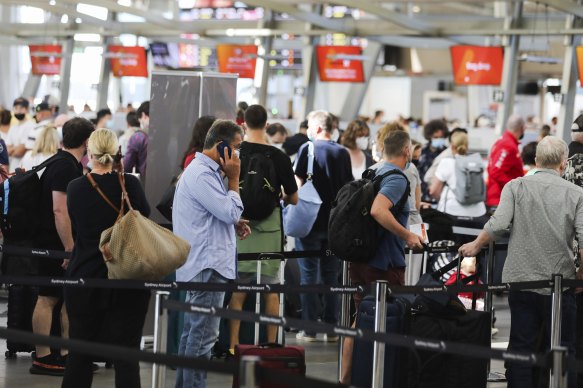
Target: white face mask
(362, 142)
(335, 135)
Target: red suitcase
(287, 359)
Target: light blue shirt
(204, 214)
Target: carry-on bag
(395, 366)
(285, 359)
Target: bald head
(515, 124)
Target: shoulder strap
(48, 162)
(310, 170)
(96, 187)
(377, 182)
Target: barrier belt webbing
(367, 335)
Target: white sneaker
(330, 338)
(494, 331)
(302, 336)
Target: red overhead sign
(237, 59)
(128, 61)
(477, 65)
(580, 63)
(42, 61)
(340, 63)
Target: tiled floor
(322, 361)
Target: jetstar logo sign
(476, 65)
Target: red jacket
(504, 165)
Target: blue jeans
(316, 270)
(200, 330)
(530, 316)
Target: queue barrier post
(556, 313)
(248, 372)
(559, 371)
(380, 325)
(160, 338)
(344, 314)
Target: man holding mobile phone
(208, 216)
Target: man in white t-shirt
(18, 133)
(44, 117)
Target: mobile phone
(221, 149)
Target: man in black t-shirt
(55, 233)
(332, 170)
(266, 234)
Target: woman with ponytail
(444, 184)
(102, 315)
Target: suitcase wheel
(10, 355)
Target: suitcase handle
(270, 345)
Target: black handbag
(167, 201)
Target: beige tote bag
(136, 247)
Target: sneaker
(63, 361)
(48, 365)
(330, 338)
(494, 331)
(302, 336)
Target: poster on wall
(128, 61)
(43, 63)
(237, 59)
(336, 64)
(580, 63)
(477, 65)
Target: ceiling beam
(383, 13)
(566, 6)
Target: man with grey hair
(543, 213)
(332, 170)
(505, 163)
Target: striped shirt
(204, 214)
(543, 213)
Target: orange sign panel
(340, 63)
(128, 61)
(580, 63)
(237, 59)
(477, 65)
(42, 61)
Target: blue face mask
(438, 143)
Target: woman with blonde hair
(45, 146)
(444, 184)
(102, 315)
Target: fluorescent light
(52, 2)
(32, 15)
(87, 37)
(93, 10)
(65, 19)
(125, 3)
(245, 32)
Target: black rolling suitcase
(440, 370)
(395, 367)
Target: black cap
(42, 107)
(21, 101)
(577, 124)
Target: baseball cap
(42, 107)
(577, 124)
(21, 101)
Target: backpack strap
(48, 162)
(398, 207)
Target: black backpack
(20, 200)
(257, 185)
(352, 232)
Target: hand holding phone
(221, 148)
(230, 163)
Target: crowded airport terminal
(277, 193)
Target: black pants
(119, 324)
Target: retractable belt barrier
(532, 359)
(105, 351)
(59, 255)
(270, 288)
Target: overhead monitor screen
(477, 65)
